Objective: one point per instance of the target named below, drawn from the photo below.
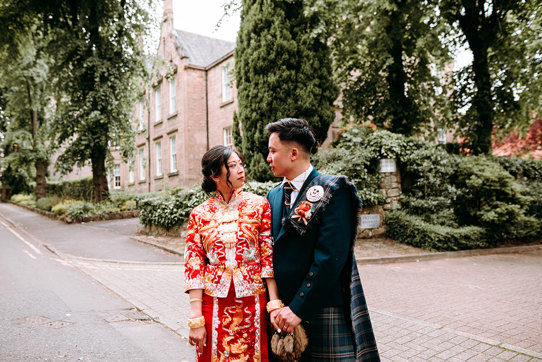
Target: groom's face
(280, 156)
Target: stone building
(188, 109)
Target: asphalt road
(50, 311)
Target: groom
(314, 223)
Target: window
(141, 165)
(158, 112)
(116, 176)
(441, 137)
(228, 137)
(226, 84)
(172, 96)
(172, 154)
(131, 176)
(158, 149)
(141, 123)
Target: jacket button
(301, 294)
(308, 285)
(311, 274)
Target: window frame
(158, 158)
(173, 154)
(172, 91)
(157, 105)
(227, 86)
(228, 136)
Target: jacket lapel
(278, 207)
(276, 201)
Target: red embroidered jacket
(226, 242)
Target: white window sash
(141, 165)
(158, 149)
(173, 154)
(158, 112)
(172, 96)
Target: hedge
(413, 230)
(80, 189)
(172, 209)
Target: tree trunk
(482, 102)
(396, 78)
(40, 163)
(99, 179)
(41, 182)
(481, 34)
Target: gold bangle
(198, 322)
(196, 300)
(274, 304)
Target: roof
(202, 50)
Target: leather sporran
(289, 347)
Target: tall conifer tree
(281, 70)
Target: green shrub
(172, 208)
(169, 210)
(24, 199)
(80, 210)
(259, 188)
(490, 197)
(521, 169)
(62, 207)
(46, 203)
(81, 189)
(413, 230)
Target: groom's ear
(294, 153)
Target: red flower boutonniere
(303, 211)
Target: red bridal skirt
(236, 328)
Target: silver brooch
(315, 193)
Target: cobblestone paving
(476, 309)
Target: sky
(201, 17)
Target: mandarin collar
(218, 196)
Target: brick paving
(483, 308)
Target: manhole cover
(57, 324)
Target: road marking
(29, 254)
(20, 237)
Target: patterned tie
(288, 188)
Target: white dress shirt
(297, 183)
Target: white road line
(20, 237)
(29, 254)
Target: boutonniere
(303, 211)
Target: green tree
(389, 60)
(281, 70)
(27, 84)
(502, 87)
(100, 64)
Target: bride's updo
(211, 166)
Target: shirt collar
(298, 181)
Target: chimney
(168, 24)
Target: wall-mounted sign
(387, 165)
(370, 221)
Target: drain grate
(42, 321)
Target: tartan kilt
(330, 336)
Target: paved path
(475, 308)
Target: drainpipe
(207, 108)
(149, 142)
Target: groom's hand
(286, 320)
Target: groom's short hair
(295, 130)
